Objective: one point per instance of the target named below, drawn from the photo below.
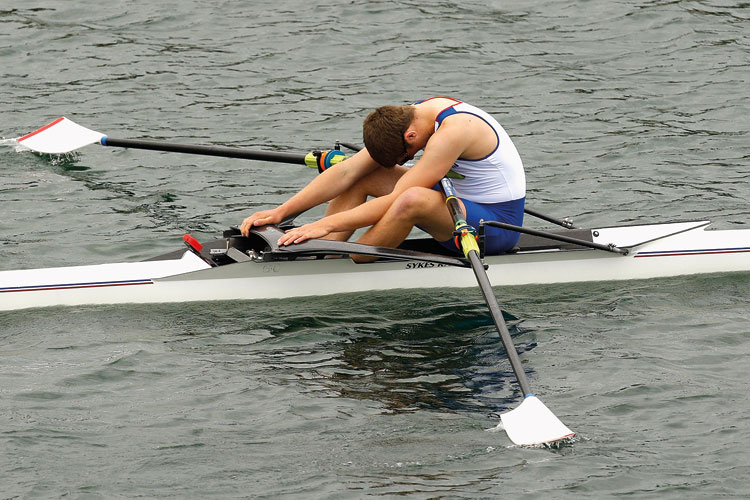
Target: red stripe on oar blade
(32, 134)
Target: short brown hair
(383, 133)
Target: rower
(454, 136)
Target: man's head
(383, 134)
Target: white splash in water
(56, 159)
(14, 144)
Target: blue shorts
(496, 240)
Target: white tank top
(495, 178)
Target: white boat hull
(656, 251)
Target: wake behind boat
(239, 268)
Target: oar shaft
(497, 317)
(468, 243)
(227, 152)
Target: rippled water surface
(622, 110)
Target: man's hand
(317, 229)
(261, 218)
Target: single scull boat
(239, 268)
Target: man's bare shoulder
(455, 129)
(471, 134)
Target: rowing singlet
(493, 187)
(497, 177)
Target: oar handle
(465, 235)
(457, 214)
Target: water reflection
(447, 357)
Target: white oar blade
(59, 137)
(533, 423)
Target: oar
(532, 422)
(65, 136)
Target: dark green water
(623, 111)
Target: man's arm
(324, 187)
(441, 152)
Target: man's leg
(379, 183)
(418, 206)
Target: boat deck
(527, 243)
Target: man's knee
(415, 201)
